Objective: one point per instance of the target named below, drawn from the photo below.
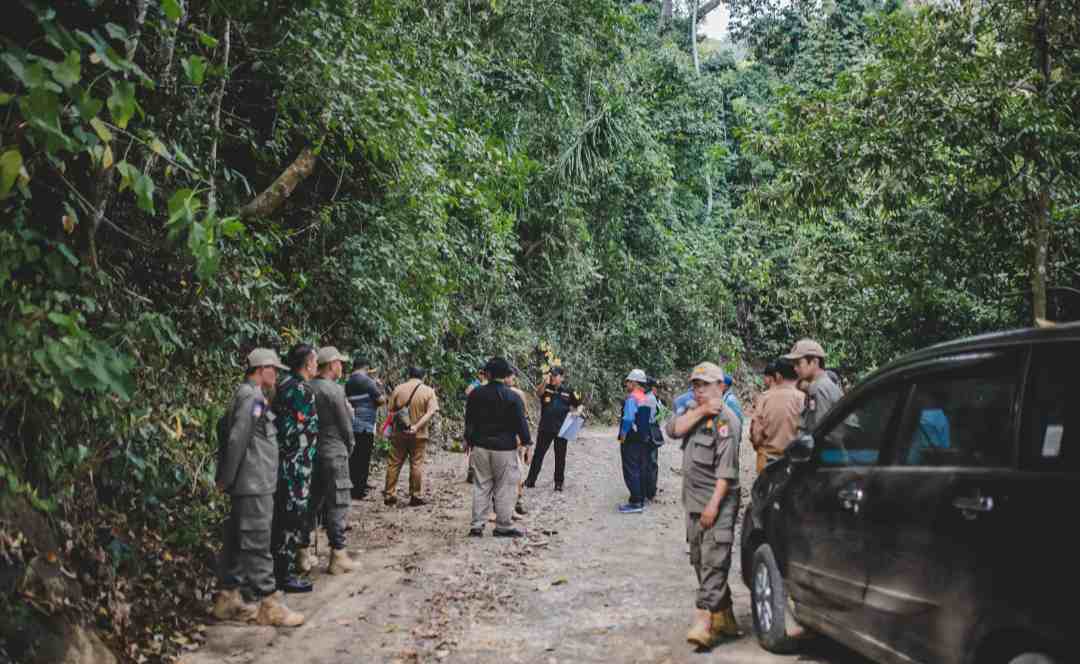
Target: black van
(926, 519)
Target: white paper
(571, 426)
(1052, 441)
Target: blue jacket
(637, 414)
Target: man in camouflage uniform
(821, 392)
(298, 428)
(247, 471)
(332, 483)
(710, 433)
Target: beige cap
(328, 354)
(707, 372)
(805, 348)
(264, 357)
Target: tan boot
(230, 605)
(724, 625)
(272, 611)
(701, 633)
(340, 563)
(305, 559)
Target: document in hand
(571, 427)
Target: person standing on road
(777, 414)
(479, 379)
(557, 400)
(821, 393)
(652, 462)
(297, 422)
(635, 439)
(365, 395)
(332, 486)
(494, 423)
(414, 404)
(524, 451)
(248, 473)
(710, 434)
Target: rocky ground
(586, 585)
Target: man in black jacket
(494, 420)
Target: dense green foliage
(467, 177)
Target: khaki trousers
(496, 475)
(402, 447)
(710, 554)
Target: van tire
(768, 603)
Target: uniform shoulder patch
(811, 403)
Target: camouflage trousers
(292, 519)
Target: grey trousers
(497, 474)
(246, 563)
(332, 490)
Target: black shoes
(476, 532)
(509, 532)
(558, 487)
(295, 585)
(417, 501)
(530, 485)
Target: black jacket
(495, 418)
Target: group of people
(287, 460)
(709, 422)
(297, 450)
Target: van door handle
(851, 498)
(972, 506)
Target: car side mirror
(801, 449)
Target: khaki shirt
(711, 453)
(776, 420)
(821, 396)
(250, 466)
(423, 402)
(335, 418)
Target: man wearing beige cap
(710, 433)
(247, 471)
(331, 485)
(821, 393)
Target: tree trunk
(665, 14)
(272, 198)
(226, 40)
(697, 71)
(1039, 201)
(706, 9)
(170, 47)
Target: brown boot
(230, 605)
(701, 633)
(724, 625)
(305, 559)
(340, 563)
(272, 611)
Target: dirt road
(586, 585)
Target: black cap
(498, 367)
(360, 361)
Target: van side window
(1052, 425)
(859, 437)
(961, 419)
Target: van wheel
(1032, 658)
(769, 603)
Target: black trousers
(360, 463)
(652, 472)
(543, 442)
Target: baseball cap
(264, 357)
(638, 376)
(805, 348)
(328, 354)
(707, 372)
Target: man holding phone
(556, 402)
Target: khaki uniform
(711, 453)
(332, 483)
(821, 396)
(249, 473)
(776, 422)
(404, 446)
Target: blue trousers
(635, 466)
